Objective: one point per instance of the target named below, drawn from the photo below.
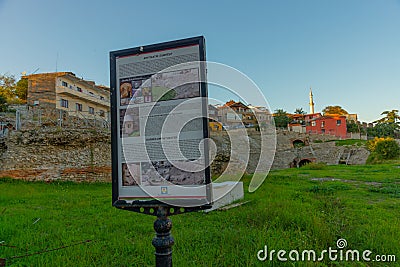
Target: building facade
(332, 125)
(66, 92)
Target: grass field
(295, 209)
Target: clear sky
(348, 51)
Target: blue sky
(348, 51)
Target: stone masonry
(76, 155)
(85, 155)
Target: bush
(371, 144)
(373, 158)
(387, 149)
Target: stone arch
(298, 143)
(304, 162)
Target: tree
(13, 92)
(388, 126)
(7, 86)
(21, 89)
(299, 111)
(383, 130)
(391, 117)
(3, 104)
(334, 110)
(353, 127)
(281, 118)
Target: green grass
(293, 209)
(351, 142)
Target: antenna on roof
(56, 61)
(34, 71)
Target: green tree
(334, 110)
(21, 89)
(7, 86)
(383, 130)
(14, 93)
(388, 126)
(299, 111)
(3, 104)
(281, 118)
(390, 117)
(353, 127)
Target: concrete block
(225, 193)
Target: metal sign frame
(149, 206)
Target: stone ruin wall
(317, 148)
(85, 155)
(46, 155)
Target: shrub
(373, 158)
(371, 144)
(387, 149)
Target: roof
(232, 103)
(92, 84)
(69, 75)
(327, 117)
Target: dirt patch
(22, 174)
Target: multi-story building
(236, 114)
(66, 92)
(263, 115)
(329, 124)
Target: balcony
(62, 90)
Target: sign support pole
(163, 241)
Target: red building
(333, 125)
(310, 117)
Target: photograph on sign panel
(125, 93)
(129, 122)
(164, 172)
(135, 90)
(130, 174)
(175, 85)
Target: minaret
(311, 102)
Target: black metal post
(163, 241)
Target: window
(79, 89)
(64, 103)
(338, 122)
(78, 107)
(313, 123)
(101, 97)
(322, 124)
(91, 110)
(91, 93)
(64, 84)
(101, 113)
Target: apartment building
(64, 91)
